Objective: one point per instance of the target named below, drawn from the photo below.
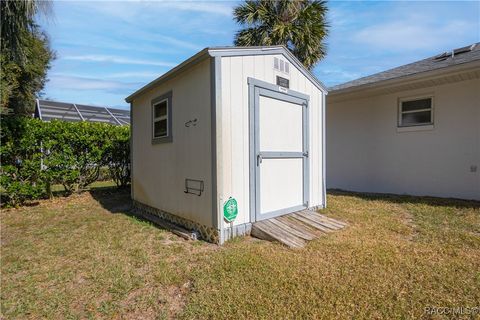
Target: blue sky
(108, 49)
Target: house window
(415, 112)
(162, 118)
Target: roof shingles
(433, 63)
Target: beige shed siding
(233, 149)
(160, 170)
(366, 153)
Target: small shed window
(160, 122)
(415, 112)
(162, 118)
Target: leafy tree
(22, 82)
(25, 56)
(300, 25)
(17, 17)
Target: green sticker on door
(230, 209)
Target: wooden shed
(231, 136)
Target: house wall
(160, 170)
(233, 144)
(366, 152)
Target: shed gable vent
(281, 65)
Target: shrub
(20, 150)
(37, 154)
(118, 156)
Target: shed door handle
(259, 159)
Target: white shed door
(280, 151)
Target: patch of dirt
(170, 302)
(407, 218)
(177, 298)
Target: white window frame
(167, 97)
(157, 119)
(426, 125)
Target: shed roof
(48, 110)
(443, 60)
(230, 51)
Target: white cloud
(115, 59)
(127, 10)
(411, 34)
(333, 74)
(139, 74)
(214, 7)
(81, 83)
(175, 42)
(114, 75)
(339, 72)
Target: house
(48, 110)
(412, 130)
(231, 136)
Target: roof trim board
(391, 85)
(228, 52)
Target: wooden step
(312, 216)
(310, 222)
(298, 242)
(307, 232)
(294, 231)
(311, 229)
(337, 222)
(266, 230)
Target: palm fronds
(17, 17)
(299, 25)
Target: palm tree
(17, 17)
(300, 25)
(25, 54)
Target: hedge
(37, 154)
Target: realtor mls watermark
(452, 311)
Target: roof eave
(402, 79)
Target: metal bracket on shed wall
(193, 186)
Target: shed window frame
(401, 101)
(166, 97)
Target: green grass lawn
(86, 257)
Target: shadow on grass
(118, 201)
(113, 199)
(403, 199)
